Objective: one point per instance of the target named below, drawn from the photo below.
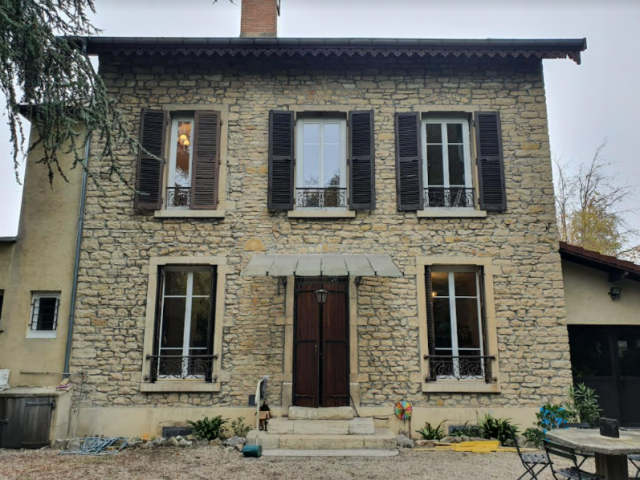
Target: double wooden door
(607, 359)
(321, 345)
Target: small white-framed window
(43, 320)
(448, 181)
(457, 324)
(185, 330)
(180, 162)
(321, 164)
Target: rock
(178, 438)
(184, 443)
(404, 441)
(173, 441)
(74, 444)
(234, 441)
(134, 443)
(426, 443)
(60, 444)
(216, 442)
(147, 445)
(190, 438)
(160, 441)
(239, 447)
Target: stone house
(363, 221)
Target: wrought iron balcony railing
(179, 367)
(178, 197)
(468, 367)
(329, 197)
(454, 197)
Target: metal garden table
(611, 453)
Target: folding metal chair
(553, 449)
(585, 455)
(635, 461)
(534, 462)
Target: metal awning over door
(327, 265)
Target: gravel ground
(210, 462)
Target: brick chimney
(259, 18)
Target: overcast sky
(586, 103)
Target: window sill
(46, 334)
(182, 386)
(321, 213)
(451, 213)
(460, 386)
(189, 213)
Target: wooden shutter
(490, 162)
(206, 160)
(153, 126)
(362, 170)
(409, 162)
(281, 173)
(431, 324)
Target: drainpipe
(76, 266)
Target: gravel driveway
(212, 462)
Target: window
(321, 179)
(180, 162)
(447, 163)
(44, 315)
(456, 323)
(185, 324)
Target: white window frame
(173, 151)
(468, 178)
(455, 350)
(300, 157)
(35, 297)
(186, 338)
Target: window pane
(331, 133)
(456, 165)
(46, 313)
(202, 282)
(434, 133)
(454, 133)
(468, 327)
(172, 335)
(183, 155)
(331, 166)
(175, 282)
(629, 353)
(590, 353)
(200, 310)
(442, 321)
(311, 132)
(434, 165)
(465, 283)
(311, 166)
(440, 284)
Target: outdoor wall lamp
(614, 292)
(321, 295)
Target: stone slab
(333, 413)
(382, 439)
(330, 453)
(361, 426)
(590, 440)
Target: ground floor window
(185, 323)
(455, 323)
(44, 315)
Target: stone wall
(118, 241)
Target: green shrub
(467, 431)
(535, 435)
(239, 428)
(499, 428)
(584, 405)
(209, 428)
(430, 433)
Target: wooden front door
(607, 359)
(321, 346)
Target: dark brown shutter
(490, 162)
(206, 161)
(488, 363)
(431, 324)
(153, 126)
(409, 162)
(362, 181)
(281, 173)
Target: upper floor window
(44, 315)
(180, 162)
(447, 174)
(321, 171)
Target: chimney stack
(260, 18)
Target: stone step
(331, 413)
(382, 439)
(355, 426)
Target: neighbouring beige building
(363, 221)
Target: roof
(617, 268)
(350, 47)
(331, 265)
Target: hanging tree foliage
(46, 73)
